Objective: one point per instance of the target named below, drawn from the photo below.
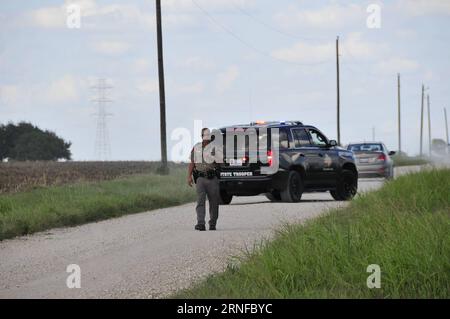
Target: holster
(195, 175)
(209, 174)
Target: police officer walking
(203, 171)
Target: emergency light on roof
(260, 122)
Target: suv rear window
(283, 139)
(262, 136)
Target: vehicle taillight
(381, 158)
(269, 157)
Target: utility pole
(446, 129)
(399, 120)
(421, 122)
(429, 125)
(338, 94)
(162, 96)
(373, 134)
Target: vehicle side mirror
(332, 143)
(391, 153)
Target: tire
(294, 188)
(273, 196)
(390, 175)
(225, 199)
(347, 186)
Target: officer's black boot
(200, 227)
(212, 227)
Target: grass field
(24, 176)
(47, 207)
(403, 227)
(401, 160)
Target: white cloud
(148, 86)
(63, 89)
(226, 79)
(305, 53)
(424, 7)
(141, 65)
(51, 17)
(429, 76)
(111, 47)
(9, 94)
(396, 65)
(176, 13)
(406, 34)
(197, 63)
(56, 16)
(174, 20)
(328, 17)
(353, 45)
(214, 5)
(197, 87)
(92, 15)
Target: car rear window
(365, 147)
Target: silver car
(373, 159)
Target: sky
(226, 62)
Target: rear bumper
(252, 185)
(378, 170)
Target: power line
(347, 64)
(249, 45)
(268, 26)
(298, 37)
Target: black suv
(307, 162)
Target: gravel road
(146, 255)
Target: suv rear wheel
(225, 199)
(294, 188)
(347, 186)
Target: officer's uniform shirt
(205, 158)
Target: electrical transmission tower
(102, 145)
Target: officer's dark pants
(207, 187)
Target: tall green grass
(403, 227)
(48, 207)
(403, 160)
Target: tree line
(26, 142)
